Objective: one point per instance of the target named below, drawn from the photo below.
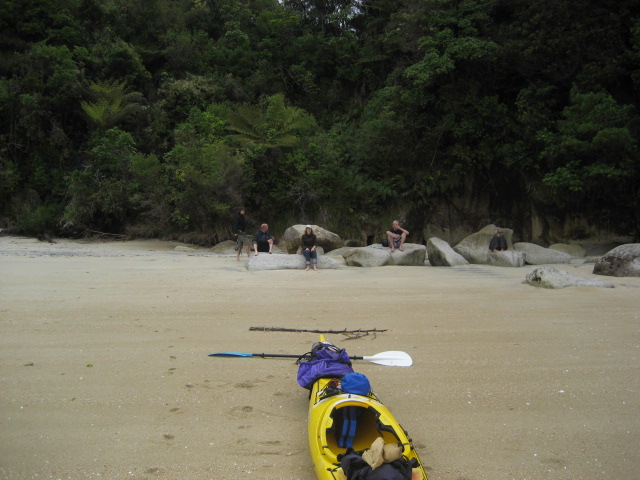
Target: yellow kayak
(340, 421)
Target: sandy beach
(104, 369)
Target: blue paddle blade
(231, 354)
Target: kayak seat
(353, 427)
(350, 416)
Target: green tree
(206, 176)
(593, 159)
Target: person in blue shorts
(397, 236)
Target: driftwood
(350, 334)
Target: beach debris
(350, 334)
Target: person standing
(309, 247)
(239, 228)
(263, 241)
(498, 242)
(397, 236)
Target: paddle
(390, 359)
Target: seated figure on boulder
(397, 236)
(309, 247)
(498, 242)
(263, 240)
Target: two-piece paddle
(390, 359)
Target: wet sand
(104, 370)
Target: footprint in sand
(246, 384)
(240, 412)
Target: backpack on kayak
(324, 361)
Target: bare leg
(390, 239)
(403, 237)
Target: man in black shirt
(263, 241)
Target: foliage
(335, 111)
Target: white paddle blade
(391, 359)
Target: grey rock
(181, 248)
(510, 258)
(622, 261)
(441, 254)
(326, 239)
(367, 257)
(264, 261)
(537, 255)
(412, 255)
(224, 248)
(475, 247)
(571, 249)
(339, 251)
(549, 277)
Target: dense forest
(159, 118)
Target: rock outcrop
(326, 239)
(622, 261)
(549, 277)
(440, 254)
(537, 255)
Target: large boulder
(440, 254)
(264, 261)
(549, 277)
(509, 258)
(622, 261)
(537, 255)
(413, 254)
(574, 250)
(475, 247)
(326, 239)
(367, 256)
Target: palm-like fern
(109, 103)
(271, 124)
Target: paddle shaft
(266, 355)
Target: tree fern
(108, 103)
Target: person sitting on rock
(309, 247)
(397, 236)
(498, 243)
(263, 240)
